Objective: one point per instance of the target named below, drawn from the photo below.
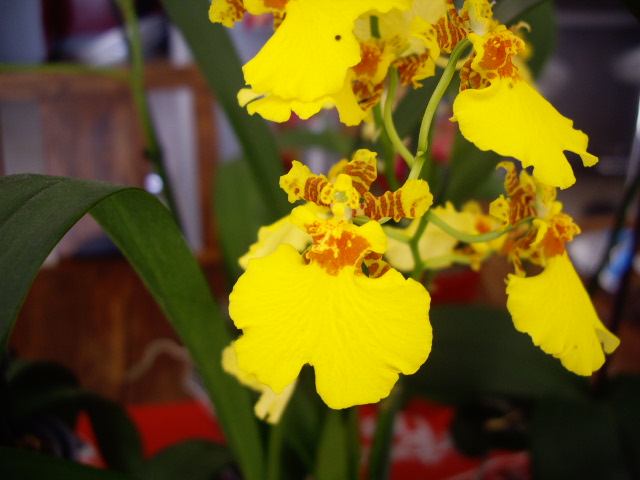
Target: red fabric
(160, 426)
(422, 445)
(423, 448)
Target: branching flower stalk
(432, 107)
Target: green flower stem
(383, 437)
(415, 251)
(427, 119)
(468, 238)
(389, 152)
(435, 262)
(68, 68)
(274, 454)
(396, 234)
(388, 119)
(153, 150)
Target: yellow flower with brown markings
(358, 330)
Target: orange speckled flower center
(561, 229)
(371, 57)
(276, 4)
(336, 247)
(497, 55)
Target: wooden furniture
(94, 315)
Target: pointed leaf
(332, 461)
(36, 211)
(193, 460)
(18, 464)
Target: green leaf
(216, 57)
(116, 435)
(471, 171)
(34, 387)
(380, 457)
(304, 418)
(332, 462)
(478, 352)
(623, 397)
(192, 460)
(239, 213)
(575, 440)
(18, 464)
(36, 211)
(407, 116)
(45, 387)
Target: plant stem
(436, 262)
(388, 119)
(470, 238)
(389, 152)
(383, 437)
(415, 251)
(429, 113)
(68, 68)
(153, 150)
(274, 453)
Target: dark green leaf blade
(238, 211)
(477, 351)
(471, 170)
(38, 211)
(28, 234)
(24, 465)
(116, 435)
(332, 462)
(624, 399)
(575, 440)
(192, 459)
(184, 296)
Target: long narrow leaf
(36, 211)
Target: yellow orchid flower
(358, 331)
(304, 66)
(437, 246)
(282, 231)
(553, 306)
(270, 406)
(496, 108)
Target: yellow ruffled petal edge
(358, 332)
(270, 237)
(308, 56)
(270, 406)
(555, 310)
(512, 119)
(277, 109)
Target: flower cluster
(553, 306)
(323, 286)
(338, 307)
